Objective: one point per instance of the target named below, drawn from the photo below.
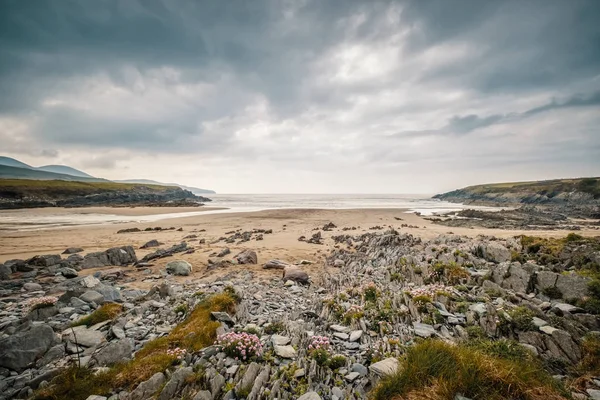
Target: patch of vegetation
(337, 361)
(274, 327)
(435, 370)
(103, 313)
(475, 332)
(520, 318)
(194, 333)
(590, 348)
(181, 308)
(453, 272)
(553, 292)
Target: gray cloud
(297, 85)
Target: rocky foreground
(335, 335)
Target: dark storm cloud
(296, 79)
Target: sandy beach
(287, 225)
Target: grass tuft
(436, 370)
(103, 313)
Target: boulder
(110, 293)
(151, 243)
(246, 257)
(176, 382)
(32, 286)
(296, 275)
(84, 336)
(179, 267)
(113, 353)
(22, 349)
(68, 272)
(147, 389)
(572, 286)
(285, 351)
(45, 260)
(91, 296)
(224, 252)
(277, 264)
(5, 272)
(116, 256)
(423, 330)
(385, 367)
(494, 252)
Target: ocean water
(30, 220)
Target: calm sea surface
(30, 220)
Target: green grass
(434, 370)
(15, 188)
(103, 313)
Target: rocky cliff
(20, 193)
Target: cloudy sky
(300, 96)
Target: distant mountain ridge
(11, 168)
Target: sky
(322, 96)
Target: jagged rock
(43, 313)
(247, 257)
(73, 250)
(90, 281)
(161, 253)
(512, 276)
(20, 350)
(203, 395)
(179, 267)
(113, 353)
(116, 256)
(567, 308)
(110, 293)
(310, 396)
(361, 369)
(279, 340)
(259, 383)
(495, 252)
(572, 286)
(423, 330)
(285, 351)
(248, 379)
(222, 317)
(216, 385)
(355, 335)
(547, 329)
(276, 264)
(175, 383)
(85, 337)
(224, 252)
(45, 260)
(593, 393)
(5, 272)
(385, 367)
(68, 272)
(151, 243)
(147, 389)
(296, 275)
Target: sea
(30, 220)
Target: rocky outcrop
(117, 256)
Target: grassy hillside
(556, 186)
(14, 188)
(580, 191)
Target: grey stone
(249, 377)
(96, 397)
(216, 385)
(175, 383)
(222, 317)
(567, 308)
(45, 260)
(545, 280)
(339, 328)
(21, 349)
(384, 367)
(495, 252)
(276, 264)
(423, 330)
(351, 377)
(572, 286)
(547, 329)
(32, 286)
(296, 275)
(85, 337)
(246, 257)
(116, 256)
(355, 335)
(594, 394)
(310, 396)
(90, 281)
(73, 250)
(42, 313)
(361, 369)
(113, 353)
(5, 272)
(68, 272)
(147, 389)
(203, 395)
(179, 267)
(279, 340)
(91, 296)
(285, 351)
(110, 293)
